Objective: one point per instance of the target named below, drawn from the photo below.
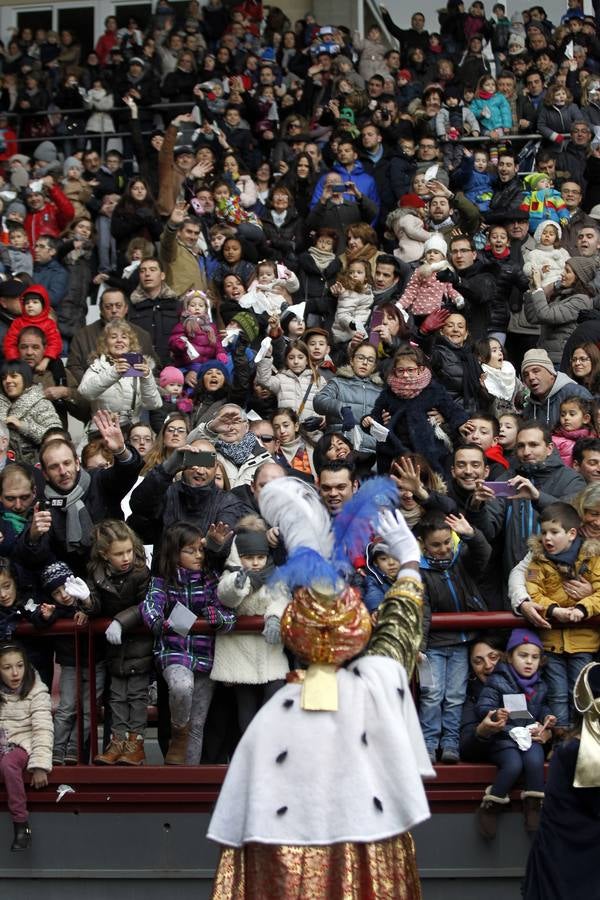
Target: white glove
(398, 536)
(113, 632)
(76, 587)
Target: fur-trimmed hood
(348, 372)
(589, 549)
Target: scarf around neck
(502, 382)
(566, 557)
(238, 452)
(322, 258)
(409, 389)
(78, 520)
(526, 684)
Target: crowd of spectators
(315, 254)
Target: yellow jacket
(545, 580)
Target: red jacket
(52, 218)
(104, 45)
(43, 321)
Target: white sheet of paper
(295, 309)
(431, 173)
(516, 704)
(379, 432)
(231, 335)
(264, 346)
(569, 50)
(181, 619)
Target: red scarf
(485, 95)
(406, 389)
(496, 454)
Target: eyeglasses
(365, 359)
(172, 430)
(267, 438)
(410, 372)
(580, 359)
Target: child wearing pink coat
(424, 294)
(576, 421)
(195, 339)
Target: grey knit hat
(584, 268)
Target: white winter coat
(247, 658)
(106, 389)
(351, 314)
(410, 233)
(289, 388)
(28, 723)
(98, 100)
(555, 259)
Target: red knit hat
(413, 201)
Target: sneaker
(58, 761)
(433, 757)
(450, 757)
(70, 759)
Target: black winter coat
(283, 242)
(118, 597)
(478, 287)
(454, 590)
(409, 427)
(502, 681)
(314, 285)
(460, 380)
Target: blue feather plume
(304, 567)
(354, 524)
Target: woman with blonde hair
(119, 377)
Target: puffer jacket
(500, 115)
(53, 348)
(410, 233)
(347, 389)
(449, 369)
(558, 318)
(283, 241)
(202, 344)
(502, 681)
(453, 589)
(351, 314)
(118, 597)
(545, 585)
(28, 723)
(36, 415)
(556, 120)
(106, 389)
(291, 389)
(247, 658)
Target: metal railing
(85, 636)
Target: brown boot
(487, 814)
(177, 751)
(532, 808)
(112, 752)
(133, 751)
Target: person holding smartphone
(120, 377)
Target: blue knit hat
(520, 636)
(213, 364)
(55, 575)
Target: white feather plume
(295, 508)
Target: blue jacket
(476, 186)
(500, 113)
(502, 681)
(55, 279)
(363, 181)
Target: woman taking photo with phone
(119, 378)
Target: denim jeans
(65, 717)
(512, 762)
(441, 705)
(560, 674)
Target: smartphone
(376, 319)
(44, 505)
(203, 458)
(132, 359)
(338, 188)
(501, 488)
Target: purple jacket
(198, 592)
(201, 343)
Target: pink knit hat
(170, 375)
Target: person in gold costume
(327, 781)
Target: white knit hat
(435, 242)
(537, 234)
